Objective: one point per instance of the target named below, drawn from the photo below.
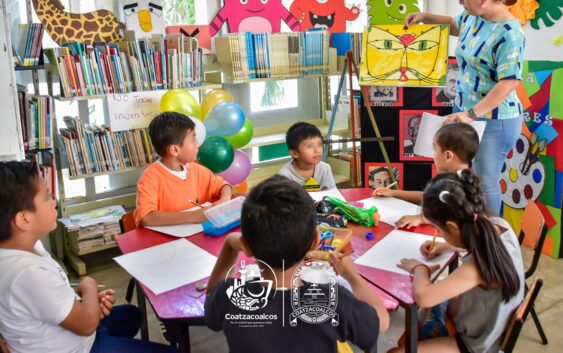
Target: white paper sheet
(168, 266)
(182, 230)
(431, 123)
(318, 195)
(391, 209)
(397, 245)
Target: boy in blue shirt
(270, 314)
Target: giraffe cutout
(96, 26)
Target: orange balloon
(241, 188)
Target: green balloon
(243, 136)
(216, 154)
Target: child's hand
(198, 216)
(438, 249)
(383, 192)
(343, 265)
(234, 240)
(409, 221)
(107, 299)
(410, 264)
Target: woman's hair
(457, 197)
(509, 2)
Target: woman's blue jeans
(498, 139)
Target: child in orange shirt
(174, 182)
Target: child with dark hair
(455, 146)
(491, 277)
(174, 182)
(39, 311)
(305, 144)
(278, 229)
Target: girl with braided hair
(488, 286)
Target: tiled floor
(549, 307)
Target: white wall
(11, 144)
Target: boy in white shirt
(39, 311)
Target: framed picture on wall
(409, 123)
(376, 174)
(384, 96)
(445, 96)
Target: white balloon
(200, 131)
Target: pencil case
(212, 230)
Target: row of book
(45, 161)
(29, 37)
(247, 55)
(160, 62)
(35, 119)
(96, 149)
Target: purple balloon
(239, 170)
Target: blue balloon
(224, 119)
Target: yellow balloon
(180, 101)
(213, 98)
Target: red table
(182, 307)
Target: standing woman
(490, 54)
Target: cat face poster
(412, 57)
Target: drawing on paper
(394, 56)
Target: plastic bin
(225, 213)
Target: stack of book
(157, 63)
(94, 228)
(96, 149)
(28, 41)
(245, 56)
(35, 119)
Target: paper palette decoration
(331, 14)
(394, 56)
(62, 26)
(523, 175)
(144, 17)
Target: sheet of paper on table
(182, 230)
(429, 125)
(318, 195)
(168, 266)
(391, 209)
(398, 244)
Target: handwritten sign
(135, 110)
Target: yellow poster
(395, 56)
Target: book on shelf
(96, 149)
(28, 39)
(245, 56)
(35, 119)
(346, 41)
(45, 161)
(156, 63)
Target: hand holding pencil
(385, 191)
(430, 249)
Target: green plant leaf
(549, 11)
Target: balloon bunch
(221, 129)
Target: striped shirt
(488, 52)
